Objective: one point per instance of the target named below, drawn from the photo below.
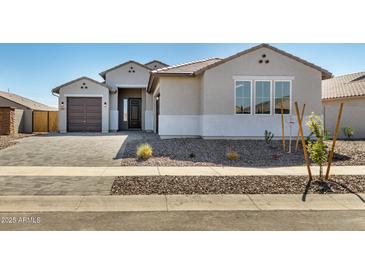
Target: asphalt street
(186, 220)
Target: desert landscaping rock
(234, 185)
(252, 153)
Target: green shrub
(144, 151)
(268, 136)
(348, 132)
(232, 155)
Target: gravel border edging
(164, 185)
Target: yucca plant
(144, 151)
(232, 155)
(268, 136)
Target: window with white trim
(282, 97)
(262, 97)
(243, 97)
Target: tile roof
(186, 68)
(345, 86)
(325, 73)
(198, 67)
(25, 101)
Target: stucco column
(114, 113)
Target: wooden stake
(282, 124)
(298, 135)
(330, 157)
(303, 142)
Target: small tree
(318, 154)
(317, 149)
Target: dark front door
(83, 114)
(134, 114)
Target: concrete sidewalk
(164, 203)
(176, 171)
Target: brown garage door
(83, 114)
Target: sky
(32, 70)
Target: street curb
(165, 203)
(67, 171)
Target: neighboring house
(238, 96)
(23, 111)
(349, 89)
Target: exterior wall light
(105, 103)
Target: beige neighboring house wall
(74, 90)
(353, 116)
(349, 89)
(23, 110)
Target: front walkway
(41, 171)
(163, 203)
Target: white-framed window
(263, 97)
(243, 95)
(282, 91)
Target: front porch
(131, 109)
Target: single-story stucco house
(22, 109)
(349, 89)
(235, 97)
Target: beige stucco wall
(74, 90)
(180, 95)
(218, 95)
(121, 77)
(353, 116)
(204, 105)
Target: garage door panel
(84, 114)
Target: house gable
(325, 74)
(155, 64)
(127, 75)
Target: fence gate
(45, 121)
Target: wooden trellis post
(298, 135)
(282, 124)
(330, 157)
(303, 141)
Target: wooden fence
(45, 121)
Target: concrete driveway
(65, 150)
(62, 150)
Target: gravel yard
(234, 185)
(8, 140)
(253, 153)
